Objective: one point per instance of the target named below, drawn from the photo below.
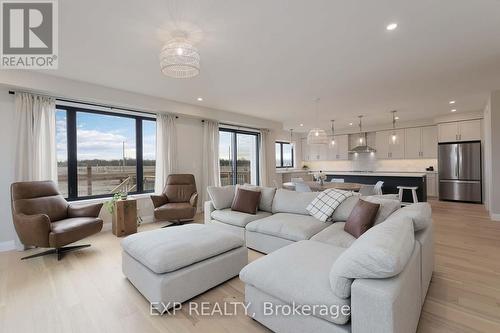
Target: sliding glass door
(242, 147)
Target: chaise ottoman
(174, 264)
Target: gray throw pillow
(222, 197)
(387, 207)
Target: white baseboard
(8, 246)
(495, 217)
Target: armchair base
(177, 222)
(61, 251)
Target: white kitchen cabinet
(387, 148)
(340, 150)
(468, 130)
(429, 142)
(421, 142)
(432, 184)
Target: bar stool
(413, 193)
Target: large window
(101, 153)
(242, 147)
(284, 155)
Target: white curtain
(166, 149)
(267, 158)
(210, 159)
(35, 121)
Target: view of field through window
(106, 153)
(247, 156)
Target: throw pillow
(266, 197)
(246, 201)
(362, 218)
(292, 202)
(341, 214)
(381, 252)
(387, 207)
(323, 206)
(221, 196)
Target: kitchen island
(391, 181)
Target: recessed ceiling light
(200, 99)
(397, 118)
(301, 125)
(350, 124)
(453, 110)
(452, 102)
(392, 26)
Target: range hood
(363, 148)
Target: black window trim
(281, 166)
(72, 158)
(235, 151)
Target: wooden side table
(125, 217)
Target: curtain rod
(11, 92)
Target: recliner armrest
(91, 210)
(33, 229)
(159, 200)
(193, 201)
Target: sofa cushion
(387, 207)
(326, 202)
(221, 196)
(344, 209)
(246, 201)
(169, 249)
(238, 219)
(420, 213)
(286, 201)
(298, 273)
(293, 227)
(266, 198)
(335, 235)
(381, 252)
(362, 218)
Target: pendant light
(331, 144)
(317, 136)
(291, 138)
(394, 137)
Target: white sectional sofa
(385, 296)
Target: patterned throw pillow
(323, 206)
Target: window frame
(234, 143)
(281, 143)
(72, 149)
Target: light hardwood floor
(86, 291)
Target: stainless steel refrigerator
(460, 171)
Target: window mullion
(71, 138)
(138, 156)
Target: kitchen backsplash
(367, 162)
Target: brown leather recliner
(43, 218)
(178, 200)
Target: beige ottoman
(174, 264)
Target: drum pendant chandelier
(179, 59)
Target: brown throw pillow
(362, 218)
(246, 201)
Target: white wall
(189, 131)
(7, 233)
(492, 154)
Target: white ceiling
(271, 58)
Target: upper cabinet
(469, 130)
(421, 142)
(389, 147)
(339, 151)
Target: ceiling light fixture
(200, 99)
(179, 59)
(453, 110)
(452, 102)
(317, 136)
(350, 124)
(301, 125)
(392, 26)
(394, 118)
